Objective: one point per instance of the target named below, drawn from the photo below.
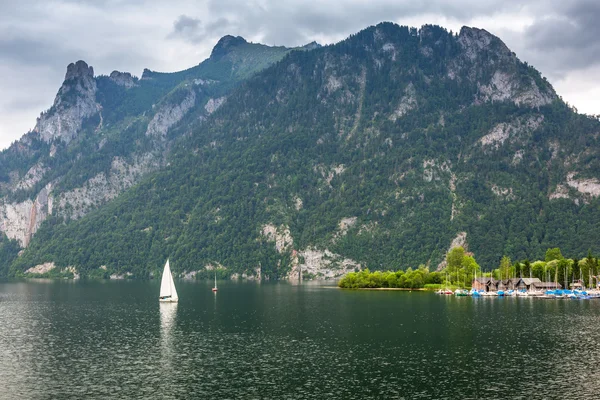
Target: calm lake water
(280, 341)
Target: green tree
(553, 254)
(526, 271)
(505, 269)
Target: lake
(99, 340)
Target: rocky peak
(74, 102)
(475, 40)
(122, 79)
(80, 69)
(226, 44)
(147, 74)
(311, 46)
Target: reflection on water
(107, 340)
(168, 312)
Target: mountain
(104, 133)
(380, 151)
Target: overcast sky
(39, 38)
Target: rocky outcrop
(561, 192)
(102, 188)
(459, 241)
(317, 264)
(122, 79)
(482, 51)
(505, 130)
(281, 236)
(407, 103)
(434, 170)
(225, 45)
(503, 192)
(213, 105)
(509, 87)
(590, 187)
(20, 221)
(31, 178)
(345, 224)
(74, 103)
(170, 114)
(41, 269)
(328, 173)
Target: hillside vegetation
(376, 152)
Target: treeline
(554, 268)
(409, 279)
(460, 269)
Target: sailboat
(215, 288)
(168, 293)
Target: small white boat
(215, 288)
(168, 293)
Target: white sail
(167, 286)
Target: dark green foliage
(9, 250)
(408, 279)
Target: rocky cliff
(74, 103)
(89, 147)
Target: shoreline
(390, 289)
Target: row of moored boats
(548, 294)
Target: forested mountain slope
(104, 133)
(378, 152)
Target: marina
(523, 287)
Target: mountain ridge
(342, 157)
(115, 127)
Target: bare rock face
(41, 268)
(459, 241)
(33, 176)
(474, 41)
(589, 187)
(481, 49)
(504, 131)
(280, 235)
(407, 103)
(507, 87)
(122, 79)
(321, 264)
(213, 105)
(170, 114)
(75, 101)
(101, 188)
(225, 45)
(20, 221)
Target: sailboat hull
(168, 300)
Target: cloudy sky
(38, 38)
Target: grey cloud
(129, 35)
(294, 22)
(33, 52)
(194, 31)
(567, 39)
(185, 24)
